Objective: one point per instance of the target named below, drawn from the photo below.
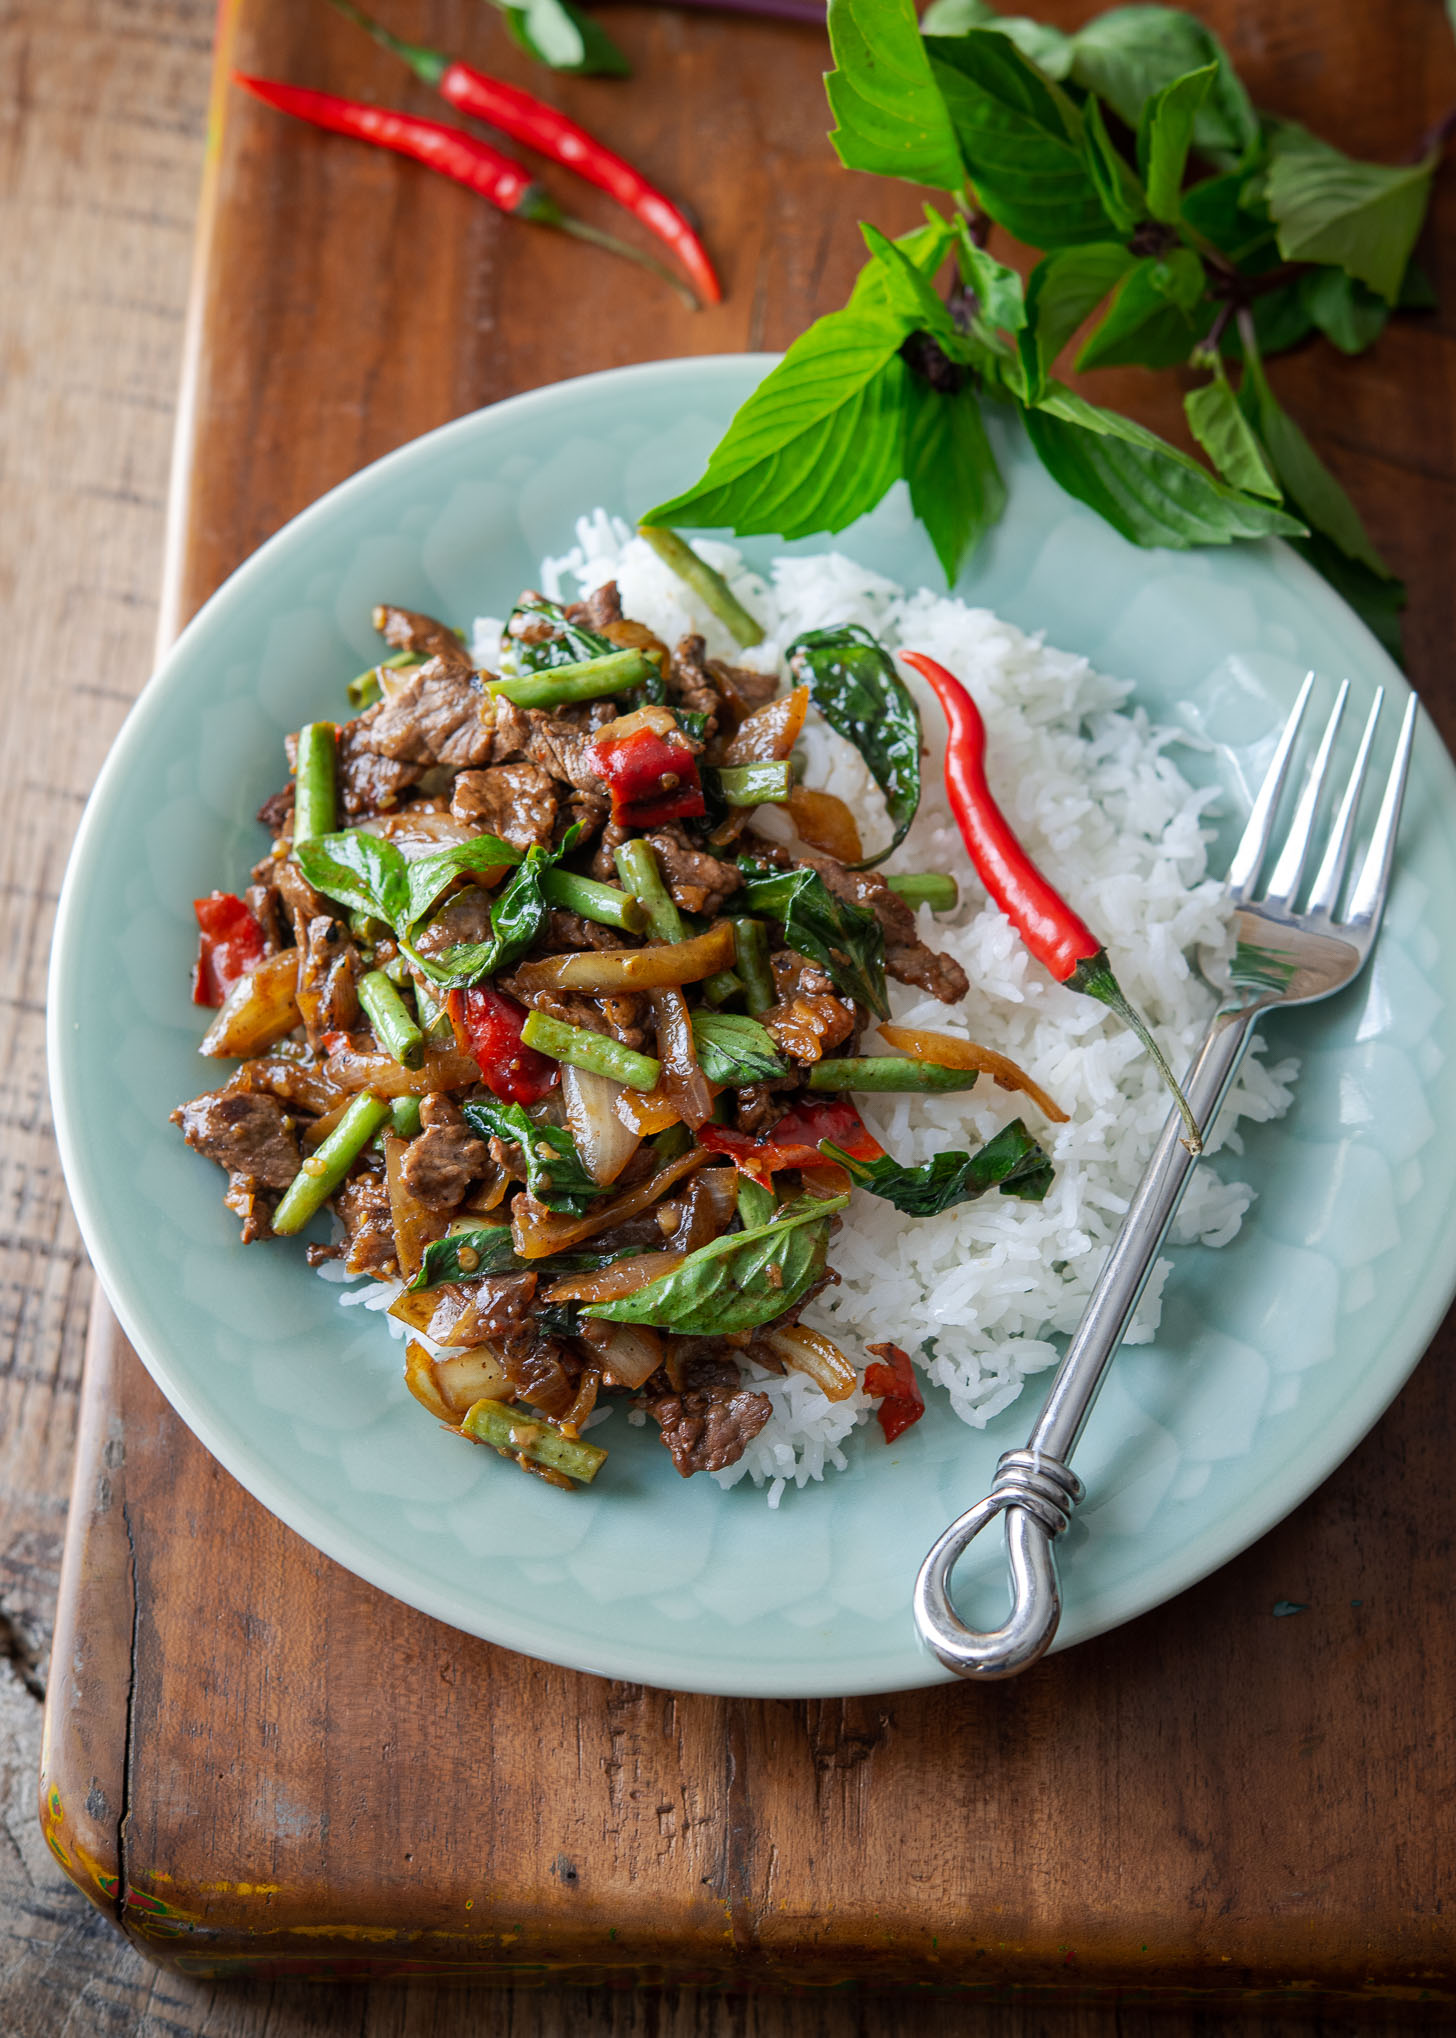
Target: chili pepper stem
(1094, 979)
(428, 65)
(579, 230)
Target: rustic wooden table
(102, 112)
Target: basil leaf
(1047, 47)
(1362, 217)
(427, 876)
(956, 488)
(555, 1175)
(1012, 1163)
(853, 683)
(1021, 137)
(568, 644)
(564, 37)
(1348, 313)
(756, 1203)
(908, 295)
(1150, 491)
(440, 1261)
(818, 442)
(735, 1050)
(1000, 293)
(1165, 135)
(847, 940)
(925, 247)
(1149, 323)
(1064, 289)
(518, 916)
(890, 116)
(1220, 427)
(359, 870)
(1306, 480)
(1123, 198)
(1130, 53)
(740, 1281)
(1220, 209)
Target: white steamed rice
(978, 1294)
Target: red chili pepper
(530, 120)
(1055, 934)
(794, 1141)
(463, 157)
(652, 778)
(230, 943)
(902, 1401)
(488, 1027)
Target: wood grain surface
(1213, 1797)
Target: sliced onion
(631, 969)
(295, 1081)
(443, 1068)
(536, 1231)
(622, 1277)
(319, 1131)
(261, 1007)
(604, 1140)
(951, 1052)
(419, 1377)
(647, 1111)
(722, 1185)
(809, 1351)
(630, 1353)
(683, 1081)
(475, 1375)
(661, 721)
(770, 732)
(415, 1224)
(826, 823)
(415, 1311)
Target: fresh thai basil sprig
(1012, 1162)
(739, 1281)
(854, 685)
(735, 1050)
(1272, 234)
(555, 1174)
(848, 941)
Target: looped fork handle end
(1036, 1493)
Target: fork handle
(1035, 1489)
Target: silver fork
(1281, 957)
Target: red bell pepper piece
(652, 778)
(894, 1381)
(794, 1141)
(230, 943)
(488, 1027)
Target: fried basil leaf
(846, 939)
(853, 683)
(361, 871)
(489, 1245)
(427, 876)
(740, 1281)
(518, 915)
(568, 643)
(1012, 1162)
(555, 1174)
(734, 1049)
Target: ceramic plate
(1275, 1354)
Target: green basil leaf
(1348, 313)
(1220, 209)
(740, 1281)
(427, 876)
(555, 1175)
(1062, 291)
(1149, 323)
(490, 1244)
(359, 870)
(1021, 137)
(925, 247)
(1165, 135)
(818, 442)
(1012, 1163)
(518, 915)
(1000, 293)
(1362, 217)
(565, 37)
(907, 293)
(1281, 320)
(1220, 427)
(1150, 491)
(1130, 53)
(889, 116)
(568, 644)
(1376, 598)
(956, 488)
(1123, 198)
(1047, 47)
(756, 1203)
(735, 1049)
(1306, 480)
(846, 939)
(853, 683)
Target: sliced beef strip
(806, 1018)
(586, 811)
(276, 809)
(762, 1105)
(408, 630)
(440, 715)
(300, 900)
(626, 1019)
(570, 930)
(711, 1422)
(328, 976)
(907, 958)
(604, 861)
(516, 802)
(542, 1370)
(247, 1202)
(558, 743)
(602, 606)
(363, 1207)
(690, 684)
(510, 726)
(698, 882)
(248, 1132)
(742, 689)
(443, 1159)
(464, 917)
(369, 782)
(265, 903)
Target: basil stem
(596, 1052)
(315, 802)
(751, 937)
(396, 1032)
(889, 1072)
(708, 584)
(364, 689)
(589, 681)
(327, 1166)
(637, 868)
(606, 904)
(927, 888)
(753, 785)
(521, 1433)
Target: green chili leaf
(847, 940)
(490, 1245)
(890, 117)
(1012, 1163)
(1130, 53)
(1165, 135)
(740, 1281)
(1362, 217)
(1223, 431)
(853, 683)
(555, 1174)
(956, 488)
(735, 1049)
(358, 870)
(1021, 137)
(1150, 491)
(565, 37)
(1063, 290)
(1149, 323)
(567, 644)
(1047, 47)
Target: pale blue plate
(1275, 1355)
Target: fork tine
(1368, 900)
(1331, 874)
(1255, 839)
(1290, 868)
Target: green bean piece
(637, 868)
(521, 1432)
(608, 905)
(708, 584)
(889, 1072)
(717, 990)
(758, 985)
(404, 1116)
(753, 785)
(434, 1017)
(617, 672)
(364, 689)
(396, 1032)
(596, 1052)
(927, 888)
(328, 1164)
(315, 802)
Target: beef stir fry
(565, 1044)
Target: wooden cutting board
(255, 1762)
